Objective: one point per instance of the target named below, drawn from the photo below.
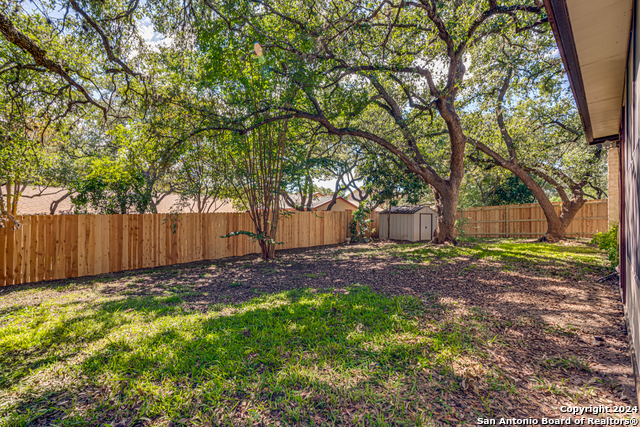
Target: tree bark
(569, 211)
(570, 207)
(446, 208)
(555, 227)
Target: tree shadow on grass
(55, 333)
(298, 357)
(293, 355)
(289, 357)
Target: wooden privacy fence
(529, 220)
(50, 247)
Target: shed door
(425, 226)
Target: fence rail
(51, 247)
(529, 220)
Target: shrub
(608, 242)
(359, 225)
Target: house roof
(170, 201)
(593, 40)
(324, 200)
(403, 209)
(37, 201)
(318, 201)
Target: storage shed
(413, 223)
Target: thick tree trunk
(569, 211)
(446, 208)
(555, 227)
(555, 232)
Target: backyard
(374, 334)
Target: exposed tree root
(547, 238)
(440, 241)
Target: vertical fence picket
(97, 247)
(320, 223)
(113, 244)
(167, 241)
(26, 236)
(187, 242)
(90, 244)
(74, 246)
(327, 229)
(11, 254)
(60, 241)
(57, 245)
(148, 235)
(33, 250)
(119, 242)
(162, 246)
(124, 259)
(49, 250)
(40, 242)
(174, 228)
(198, 237)
(139, 241)
(154, 241)
(17, 244)
(133, 242)
(82, 245)
(105, 249)
(68, 248)
(194, 236)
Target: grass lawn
(371, 335)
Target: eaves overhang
(593, 40)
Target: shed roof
(403, 209)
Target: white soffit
(601, 34)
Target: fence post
(506, 219)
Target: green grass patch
(559, 260)
(295, 356)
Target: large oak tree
(404, 61)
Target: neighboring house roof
(350, 194)
(325, 200)
(318, 202)
(403, 209)
(170, 202)
(37, 201)
(593, 39)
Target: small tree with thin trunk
(258, 160)
(200, 175)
